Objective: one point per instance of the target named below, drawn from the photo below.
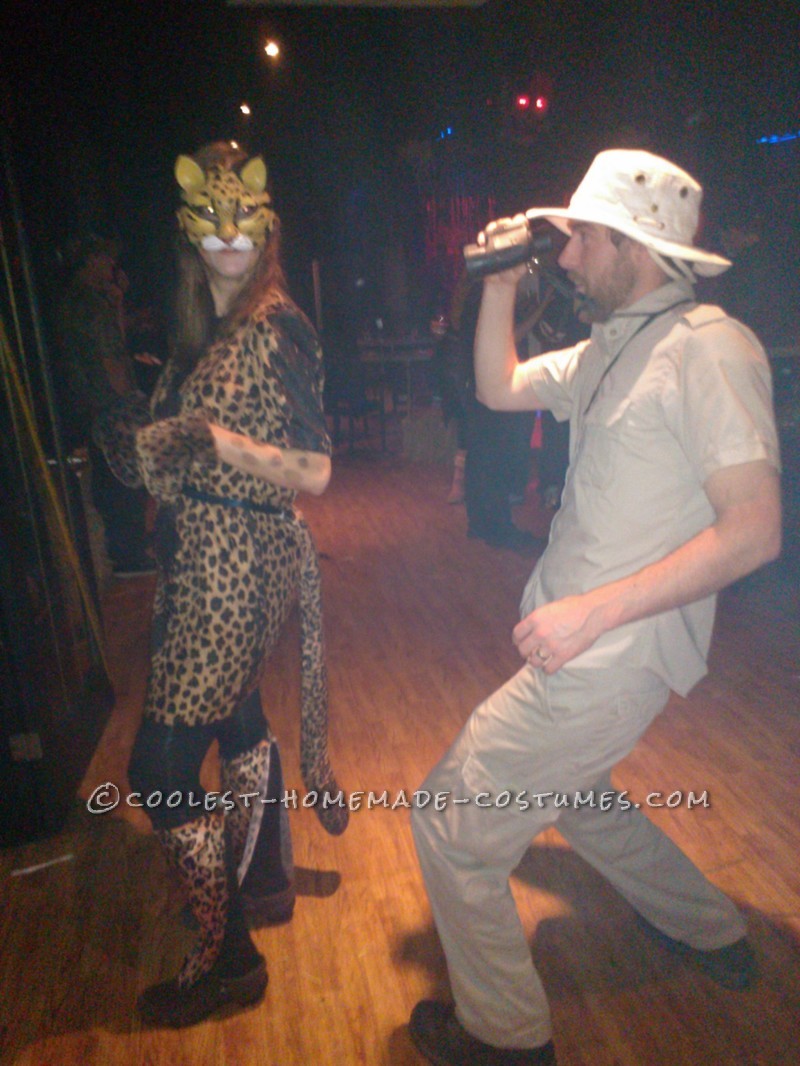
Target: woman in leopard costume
(235, 428)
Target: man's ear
(638, 254)
(645, 264)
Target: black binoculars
(503, 244)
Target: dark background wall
(101, 96)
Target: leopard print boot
(259, 832)
(224, 968)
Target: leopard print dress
(234, 556)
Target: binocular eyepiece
(503, 244)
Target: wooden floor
(419, 622)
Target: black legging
(166, 760)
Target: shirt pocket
(596, 459)
(602, 439)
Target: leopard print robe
(234, 556)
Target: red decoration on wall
(450, 224)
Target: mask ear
(188, 174)
(254, 175)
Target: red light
(523, 102)
(541, 103)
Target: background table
(404, 352)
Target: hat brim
(707, 264)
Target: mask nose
(227, 232)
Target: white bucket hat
(646, 198)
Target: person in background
(94, 369)
(455, 381)
(234, 430)
(493, 460)
(672, 493)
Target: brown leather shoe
(167, 1005)
(444, 1041)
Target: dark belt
(245, 505)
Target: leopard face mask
(223, 207)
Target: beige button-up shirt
(687, 392)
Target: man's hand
(552, 635)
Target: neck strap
(642, 326)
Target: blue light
(779, 138)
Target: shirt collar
(623, 324)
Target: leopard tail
(331, 803)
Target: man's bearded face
(601, 270)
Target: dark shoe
(276, 908)
(517, 539)
(444, 1041)
(169, 1006)
(733, 966)
(271, 908)
(135, 566)
(507, 537)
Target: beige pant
(535, 735)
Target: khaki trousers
(536, 735)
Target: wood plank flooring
(419, 622)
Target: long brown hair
(194, 320)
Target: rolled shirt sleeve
(718, 404)
(553, 378)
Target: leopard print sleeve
(167, 450)
(114, 431)
(297, 360)
(157, 454)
